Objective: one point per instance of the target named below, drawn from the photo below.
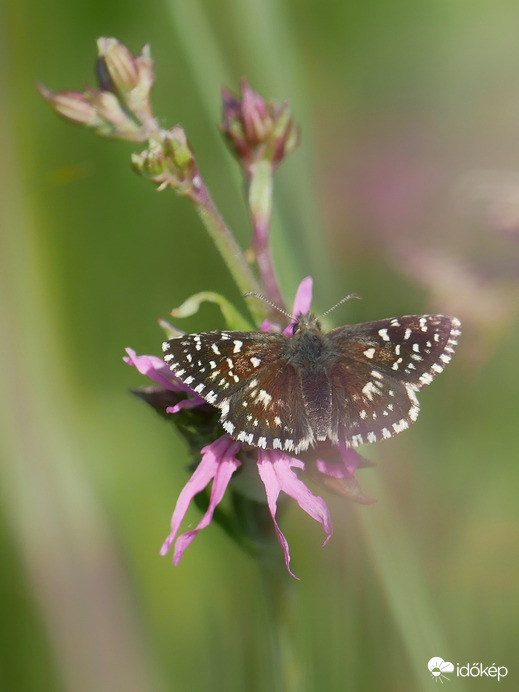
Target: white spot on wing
(426, 378)
(264, 397)
(369, 389)
(401, 425)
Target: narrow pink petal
(153, 367)
(186, 403)
(350, 462)
(159, 371)
(302, 302)
(303, 299)
(312, 504)
(272, 490)
(226, 468)
(207, 469)
(350, 458)
(275, 470)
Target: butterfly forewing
(415, 348)
(243, 373)
(216, 364)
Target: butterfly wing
(377, 368)
(247, 376)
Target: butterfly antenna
(269, 302)
(351, 295)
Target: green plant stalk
(260, 204)
(228, 248)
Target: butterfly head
(305, 320)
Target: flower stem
(226, 244)
(277, 586)
(260, 204)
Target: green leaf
(233, 318)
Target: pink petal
(226, 467)
(153, 367)
(303, 299)
(272, 489)
(158, 371)
(350, 458)
(275, 470)
(350, 462)
(186, 403)
(220, 451)
(302, 302)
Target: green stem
(286, 671)
(227, 246)
(260, 205)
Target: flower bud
(257, 129)
(71, 105)
(129, 77)
(121, 107)
(169, 161)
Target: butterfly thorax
(308, 347)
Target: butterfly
(355, 384)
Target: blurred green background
(405, 189)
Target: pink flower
(223, 456)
